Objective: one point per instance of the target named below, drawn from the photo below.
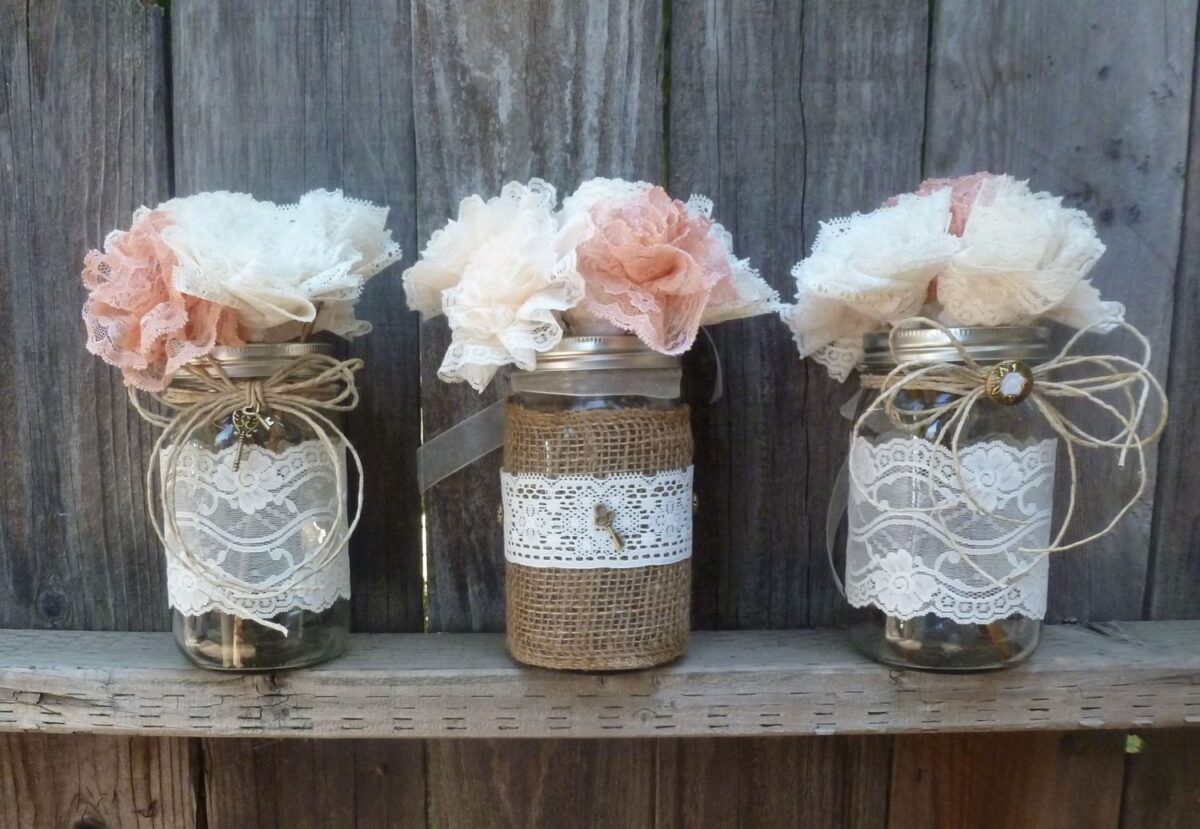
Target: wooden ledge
(1143, 674)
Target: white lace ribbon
(260, 528)
(585, 522)
(913, 515)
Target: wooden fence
(785, 113)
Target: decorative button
(1009, 382)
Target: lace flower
(1023, 256)
(866, 271)
(652, 265)
(136, 318)
(502, 272)
(281, 267)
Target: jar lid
(258, 360)
(1030, 343)
(603, 352)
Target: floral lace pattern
(261, 525)
(563, 521)
(899, 556)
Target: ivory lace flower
(652, 265)
(281, 267)
(502, 272)
(136, 319)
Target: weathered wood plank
(550, 89)
(1007, 780)
(1145, 674)
(1175, 549)
(789, 781)
(1090, 100)
(1162, 781)
(83, 141)
(90, 782)
(785, 114)
(312, 784)
(280, 99)
(527, 784)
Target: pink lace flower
(963, 192)
(652, 267)
(136, 320)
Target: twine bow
(968, 382)
(309, 389)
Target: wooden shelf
(1144, 674)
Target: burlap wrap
(606, 618)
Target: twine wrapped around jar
(599, 617)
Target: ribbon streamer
(964, 383)
(308, 388)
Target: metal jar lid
(257, 360)
(603, 352)
(1028, 343)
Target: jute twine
(965, 385)
(308, 388)
(606, 618)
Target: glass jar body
(597, 512)
(255, 511)
(935, 565)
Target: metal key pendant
(245, 424)
(604, 521)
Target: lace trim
(899, 556)
(562, 521)
(260, 525)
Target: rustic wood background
(783, 112)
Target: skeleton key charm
(604, 521)
(245, 424)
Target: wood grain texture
(1162, 781)
(550, 89)
(1090, 100)
(90, 782)
(750, 683)
(1175, 549)
(781, 137)
(530, 784)
(313, 784)
(791, 781)
(997, 781)
(83, 142)
(278, 99)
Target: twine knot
(962, 384)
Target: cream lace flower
(864, 272)
(502, 272)
(281, 267)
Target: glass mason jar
(597, 494)
(255, 498)
(935, 559)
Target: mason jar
(941, 561)
(255, 497)
(597, 508)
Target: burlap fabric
(606, 618)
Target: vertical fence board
(275, 100)
(1175, 554)
(1063, 781)
(787, 781)
(554, 90)
(314, 784)
(531, 784)
(97, 782)
(1090, 100)
(1162, 781)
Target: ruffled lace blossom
(502, 272)
(977, 250)
(136, 319)
(281, 267)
